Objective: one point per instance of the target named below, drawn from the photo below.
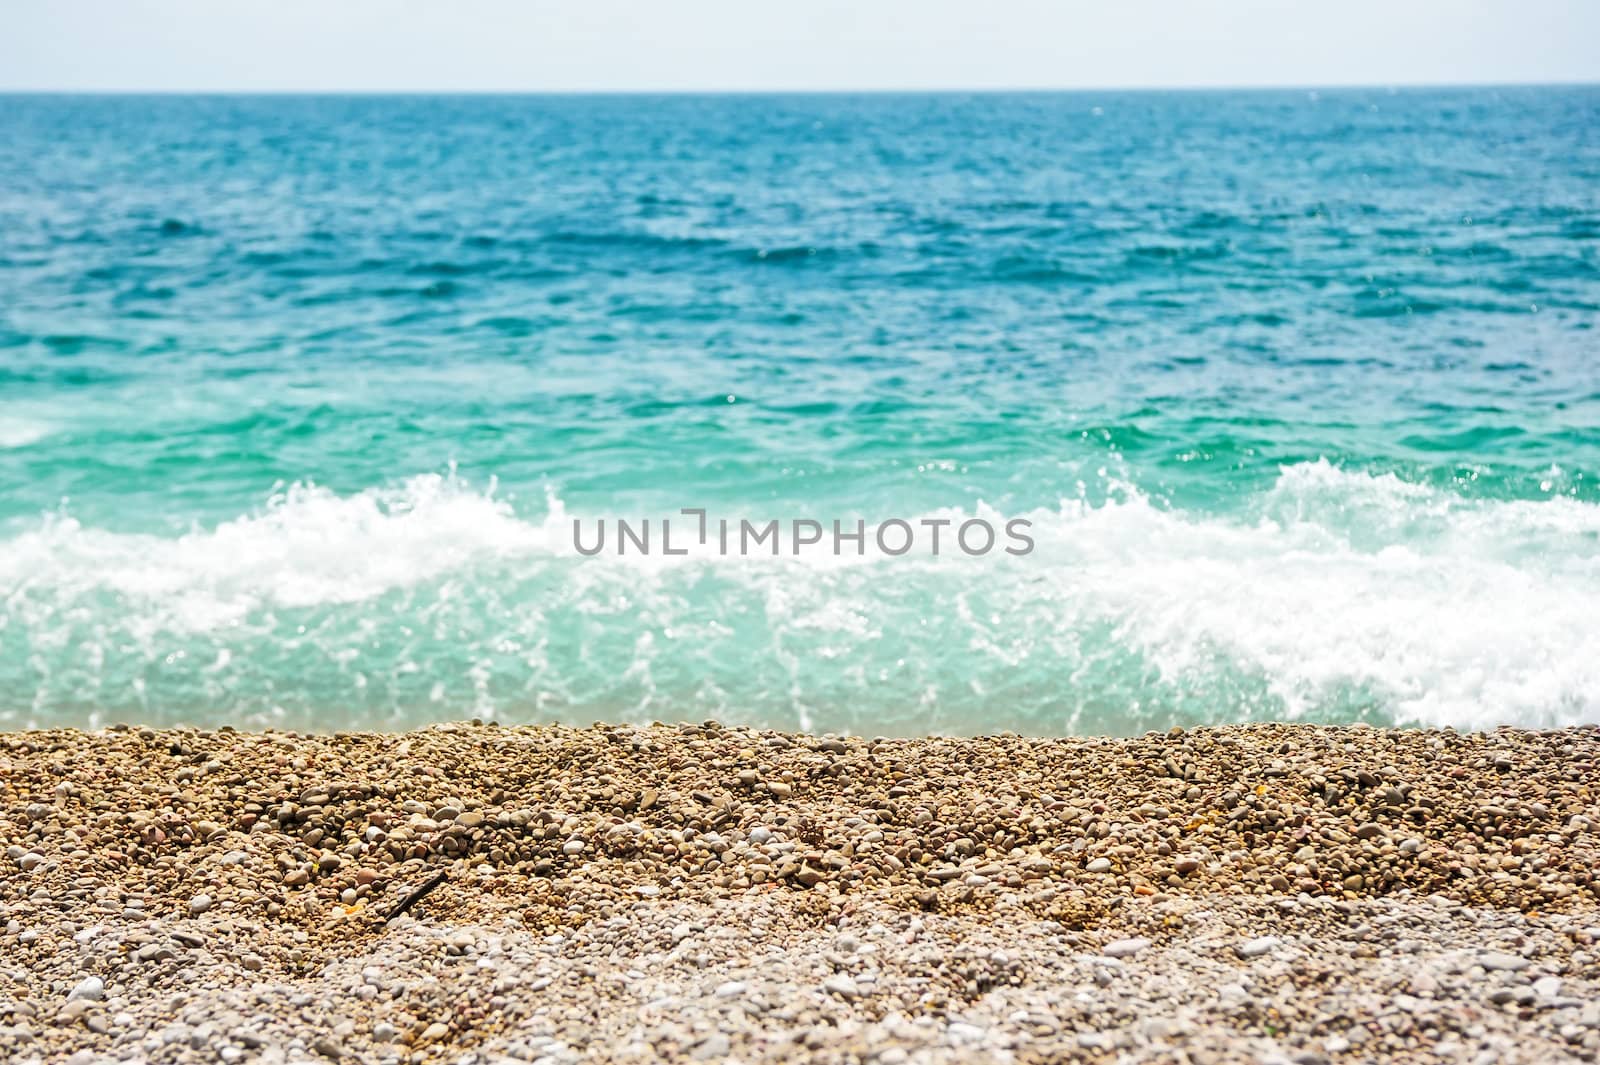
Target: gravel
(1267, 893)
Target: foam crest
(307, 546)
(1476, 616)
(1334, 594)
(20, 432)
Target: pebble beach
(484, 894)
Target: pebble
(90, 988)
(1124, 948)
(842, 985)
(712, 1047)
(1255, 948)
(1499, 961)
(74, 1011)
(200, 904)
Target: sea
(1296, 393)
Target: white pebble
(91, 988)
(840, 984)
(1254, 948)
(1500, 961)
(1122, 948)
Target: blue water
(1300, 393)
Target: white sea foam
(306, 547)
(1332, 587)
(20, 432)
(1481, 615)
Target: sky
(606, 45)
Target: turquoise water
(299, 398)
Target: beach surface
(475, 893)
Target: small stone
(433, 1033)
(200, 904)
(573, 847)
(1099, 865)
(712, 1047)
(30, 861)
(842, 985)
(1123, 948)
(1499, 961)
(1254, 948)
(809, 876)
(731, 989)
(74, 1011)
(963, 1034)
(91, 988)
(1547, 986)
(1185, 866)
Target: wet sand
(1265, 892)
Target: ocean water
(1300, 393)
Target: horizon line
(1391, 86)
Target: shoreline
(612, 892)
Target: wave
(1332, 595)
(21, 432)
(306, 547)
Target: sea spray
(437, 600)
